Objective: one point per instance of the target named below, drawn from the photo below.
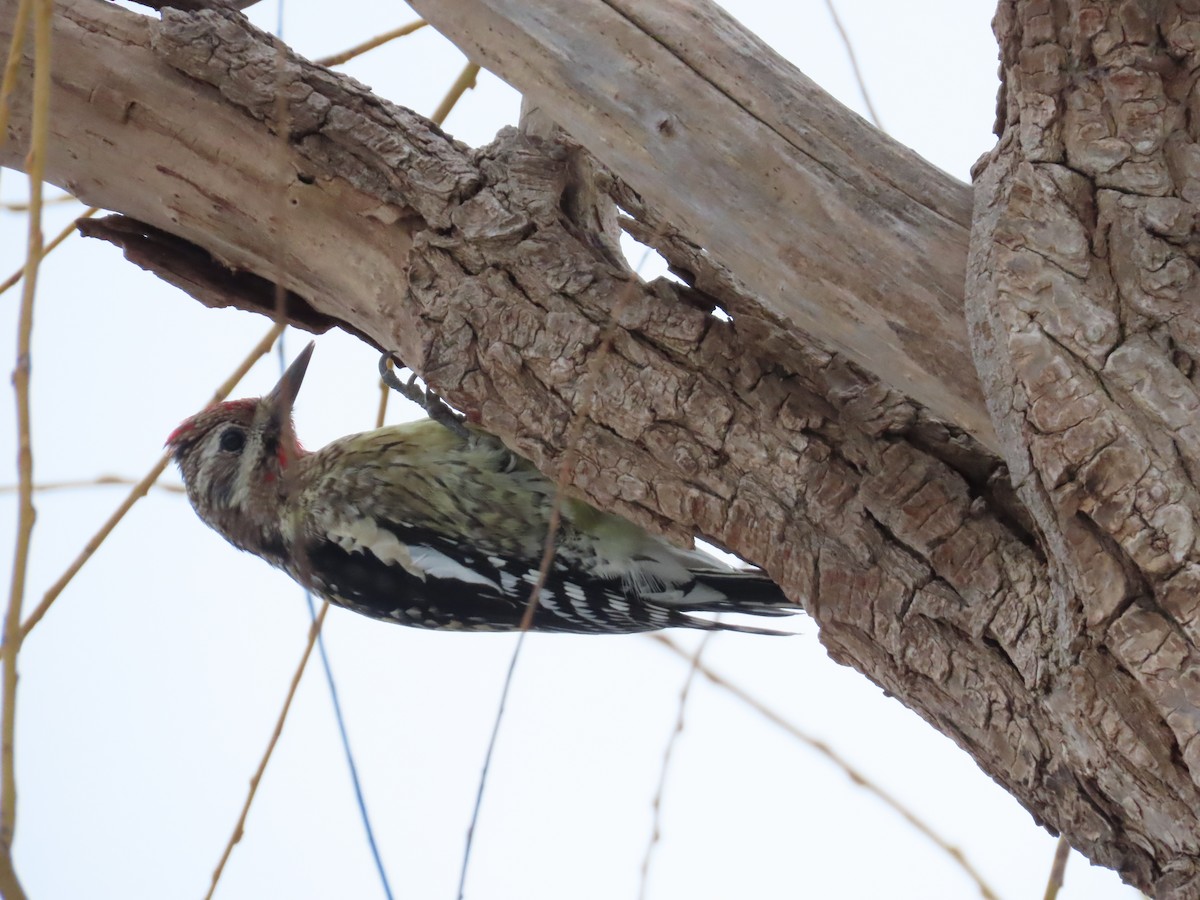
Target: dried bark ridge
(893, 529)
(1082, 301)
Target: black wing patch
(571, 600)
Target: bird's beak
(283, 395)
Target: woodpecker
(419, 525)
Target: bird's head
(234, 456)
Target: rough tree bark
(1049, 630)
(1081, 287)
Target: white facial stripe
(246, 474)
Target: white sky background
(150, 689)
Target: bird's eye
(233, 440)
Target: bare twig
(10, 886)
(18, 207)
(1058, 869)
(141, 489)
(58, 239)
(239, 828)
(587, 392)
(15, 47)
(42, 16)
(100, 481)
(862, 84)
(314, 631)
(829, 753)
(462, 84)
(341, 723)
(656, 828)
(487, 764)
(379, 40)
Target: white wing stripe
(439, 565)
(364, 535)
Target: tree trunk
(830, 439)
(1081, 273)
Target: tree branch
(835, 227)
(899, 533)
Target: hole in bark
(650, 264)
(645, 260)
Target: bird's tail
(744, 591)
(734, 591)
(709, 625)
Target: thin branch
(42, 17)
(1058, 869)
(656, 829)
(830, 754)
(344, 733)
(487, 764)
(141, 489)
(339, 718)
(587, 394)
(462, 84)
(318, 620)
(100, 481)
(46, 201)
(10, 886)
(379, 40)
(58, 239)
(239, 829)
(862, 84)
(15, 47)
(587, 390)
